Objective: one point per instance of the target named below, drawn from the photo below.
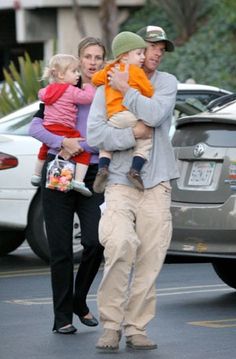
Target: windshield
(17, 123)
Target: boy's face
(135, 57)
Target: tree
(185, 15)
(78, 17)
(109, 21)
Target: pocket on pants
(106, 226)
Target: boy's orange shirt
(137, 80)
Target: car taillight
(7, 161)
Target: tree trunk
(79, 18)
(108, 15)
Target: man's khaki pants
(135, 230)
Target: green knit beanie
(126, 41)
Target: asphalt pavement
(195, 315)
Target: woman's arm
(38, 131)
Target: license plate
(201, 173)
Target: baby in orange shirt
(127, 48)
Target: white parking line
(160, 293)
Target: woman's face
(91, 60)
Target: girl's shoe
(36, 180)
(81, 188)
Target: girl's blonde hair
(58, 63)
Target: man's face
(153, 56)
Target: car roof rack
(221, 101)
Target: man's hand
(71, 146)
(142, 131)
(119, 79)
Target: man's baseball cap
(155, 34)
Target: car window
(17, 126)
(203, 97)
(213, 134)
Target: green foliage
(150, 14)
(208, 54)
(20, 86)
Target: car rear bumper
(204, 230)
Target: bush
(20, 86)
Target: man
(135, 228)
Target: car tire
(226, 271)
(10, 240)
(36, 232)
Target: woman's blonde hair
(58, 63)
(90, 41)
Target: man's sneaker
(80, 187)
(100, 180)
(109, 341)
(36, 180)
(140, 342)
(135, 178)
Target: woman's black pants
(69, 295)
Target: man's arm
(100, 134)
(153, 111)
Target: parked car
(21, 214)
(204, 197)
(194, 98)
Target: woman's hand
(71, 147)
(142, 131)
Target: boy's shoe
(140, 342)
(36, 180)
(135, 178)
(100, 180)
(81, 188)
(109, 341)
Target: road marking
(32, 272)
(24, 273)
(223, 323)
(164, 292)
(39, 301)
(27, 272)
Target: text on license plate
(201, 173)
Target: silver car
(204, 197)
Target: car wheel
(36, 232)
(226, 271)
(10, 240)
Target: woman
(59, 211)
